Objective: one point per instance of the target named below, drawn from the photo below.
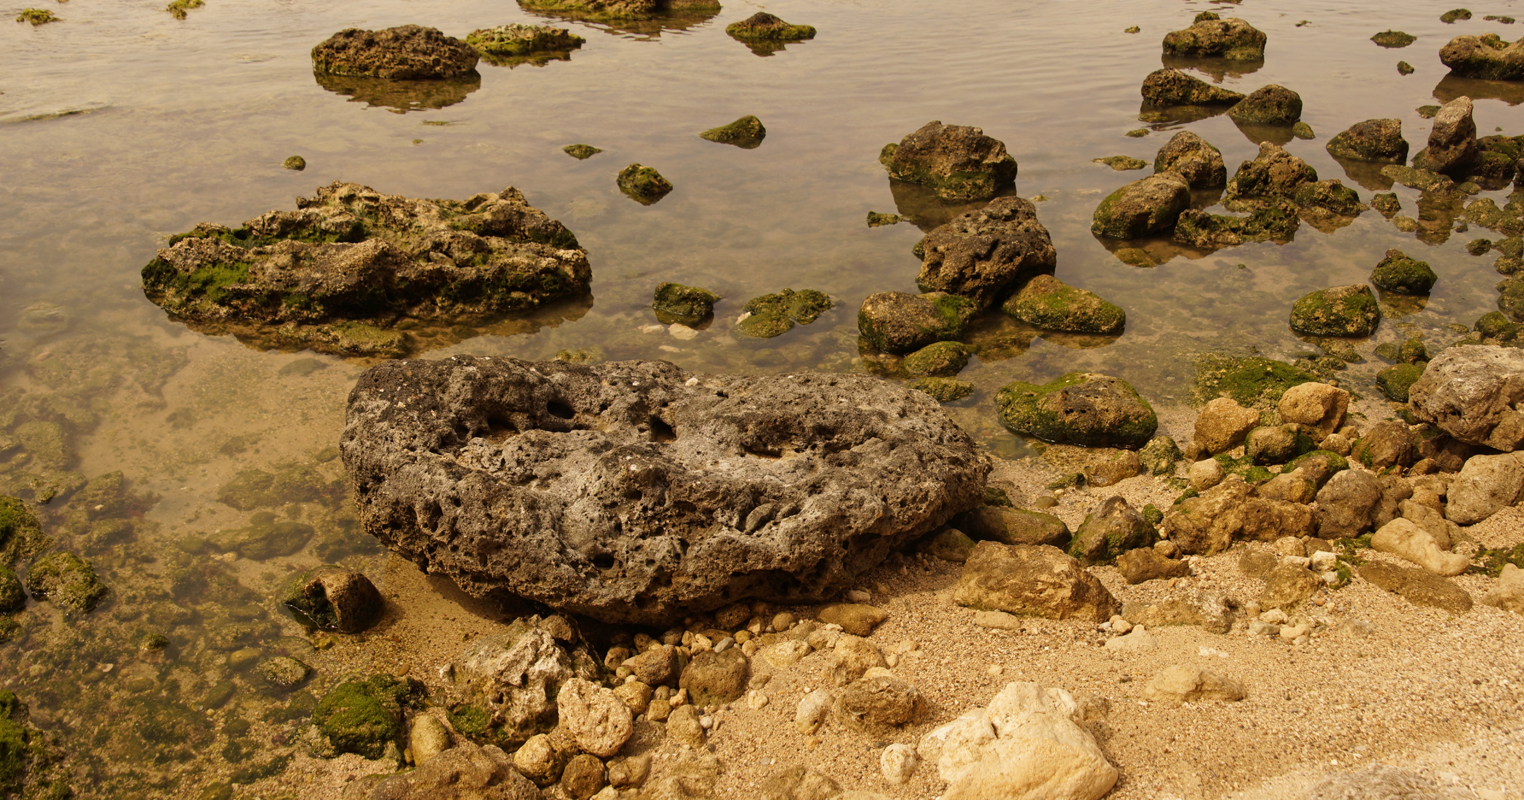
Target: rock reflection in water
(997, 337)
(400, 96)
(642, 27)
(1150, 252)
(1367, 174)
(1401, 305)
(1215, 68)
(1178, 115)
(1452, 86)
(1280, 135)
(921, 206)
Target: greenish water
(123, 125)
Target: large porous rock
(1404, 538)
(1193, 158)
(1269, 105)
(1025, 746)
(463, 772)
(407, 52)
(1452, 140)
(1213, 37)
(1485, 486)
(1474, 394)
(352, 253)
(1385, 444)
(1376, 140)
(1486, 56)
(899, 322)
(513, 677)
(1207, 523)
(1419, 586)
(957, 161)
(1272, 173)
(1337, 311)
(1079, 408)
(1142, 207)
(1223, 424)
(877, 705)
(1052, 305)
(1316, 405)
(1112, 529)
(716, 678)
(67, 581)
(594, 717)
(1346, 504)
(1032, 580)
(636, 492)
(983, 254)
(334, 598)
(1171, 87)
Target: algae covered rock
(1394, 39)
(1269, 105)
(1375, 140)
(1032, 580)
(898, 322)
(958, 161)
(406, 52)
(581, 152)
(982, 254)
(503, 687)
(643, 184)
(1399, 274)
(1213, 37)
(296, 163)
(941, 360)
(746, 133)
(364, 716)
(1079, 408)
(333, 598)
(1112, 529)
(66, 581)
(943, 390)
(12, 596)
(265, 537)
(510, 45)
(1454, 15)
(1487, 57)
(1338, 311)
(37, 16)
(1142, 207)
(1052, 305)
(684, 305)
(1397, 380)
(1171, 87)
(1121, 163)
(20, 534)
(775, 314)
(1192, 158)
(1272, 173)
(1274, 220)
(764, 27)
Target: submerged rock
(943, 390)
(509, 45)
(581, 152)
(1193, 158)
(1052, 305)
(897, 322)
(1487, 57)
(772, 315)
(765, 27)
(680, 493)
(1213, 37)
(1394, 39)
(643, 184)
(1142, 207)
(683, 305)
(1171, 87)
(942, 359)
(1121, 163)
(66, 581)
(334, 598)
(1376, 140)
(462, 772)
(1275, 220)
(958, 161)
(1269, 105)
(406, 52)
(1338, 311)
(1403, 275)
(983, 254)
(1079, 408)
(364, 716)
(746, 133)
(20, 534)
(40, 16)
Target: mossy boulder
(772, 315)
(1160, 456)
(333, 598)
(1142, 207)
(1453, 147)
(684, 305)
(1170, 87)
(1272, 173)
(406, 52)
(764, 27)
(1487, 57)
(1328, 197)
(66, 581)
(1375, 140)
(746, 133)
(1511, 298)
(1394, 381)
(898, 322)
(1394, 39)
(1212, 37)
(1085, 409)
(1274, 220)
(937, 360)
(1052, 305)
(179, 8)
(20, 534)
(1399, 274)
(1269, 105)
(1337, 311)
(364, 716)
(1276, 444)
(943, 390)
(37, 16)
(878, 220)
(1495, 326)
(643, 184)
(1454, 15)
(12, 596)
(1114, 528)
(959, 162)
(1192, 158)
(581, 152)
(296, 163)
(1252, 381)
(511, 45)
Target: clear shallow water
(183, 122)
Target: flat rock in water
(636, 492)
(1171, 87)
(1211, 36)
(1375, 140)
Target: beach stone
(406, 52)
(997, 620)
(594, 716)
(683, 305)
(1183, 683)
(852, 657)
(1385, 444)
(746, 133)
(1212, 37)
(1487, 57)
(899, 323)
(684, 725)
(1142, 207)
(1509, 592)
(665, 535)
(464, 772)
(511, 675)
(786, 653)
(1317, 405)
(957, 161)
(1193, 158)
(1160, 456)
(583, 777)
(877, 705)
(636, 695)
(1452, 140)
(799, 783)
(1375, 140)
(1474, 394)
(363, 715)
(1086, 409)
(1295, 486)
(1346, 504)
(1287, 585)
(1403, 538)
(1377, 782)
(1336, 311)
(1223, 424)
(1276, 444)
(1109, 466)
(1014, 526)
(1138, 640)
(812, 711)
(1114, 528)
(1485, 486)
(627, 772)
(950, 544)
(334, 598)
(659, 666)
(1211, 611)
(1146, 564)
(854, 618)
(1050, 304)
(1206, 524)
(692, 774)
(1205, 474)
(1273, 173)
(1400, 274)
(898, 763)
(941, 359)
(1035, 580)
(1267, 520)
(643, 184)
(1269, 105)
(1396, 381)
(984, 253)
(1419, 586)
(1257, 563)
(1171, 87)
(714, 678)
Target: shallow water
(123, 126)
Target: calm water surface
(122, 125)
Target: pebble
(1324, 560)
(1293, 632)
(812, 711)
(858, 596)
(678, 698)
(1275, 616)
(756, 700)
(1119, 625)
(723, 644)
(1259, 627)
(898, 763)
(783, 621)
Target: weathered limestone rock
(1485, 486)
(335, 599)
(1346, 504)
(1112, 529)
(1142, 207)
(1272, 173)
(512, 676)
(1487, 57)
(594, 716)
(857, 619)
(1146, 564)
(1401, 537)
(1211, 611)
(1037, 580)
(407, 52)
(1183, 683)
(1474, 394)
(983, 254)
(1207, 523)
(1214, 37)
(1337, 311)
(1419, 586)
(1287, 585)
(1223, 424)
(716, 678)
(958, 161)
(1452, 140)
(899, 322)
(1052, 305)
(877, 705)
(1374, 140)
(1509, 593)
(1171, 87)
(1014, 526)
(680, 493)
(1316, 405)
(1192, 158)
(464, 772)
(1385, 444)
(1269, 105)
(1079, 408)
(511, 45)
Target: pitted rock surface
(958, 161)
(983, 254)
(634, 492)
(406, 52)
(1474, 394)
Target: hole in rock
(661, 431)
(556, 408)
(500, 428)
(603, 561)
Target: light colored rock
(1431, 519)
(877, 704)
(1208, 523)
(428, 738)
(1346, 504)
(1379, 782)
(898, 762)
(1223, 424)
(799, 783)
(1289, 546)
(512, 675)
(1316, 404)
(1324, 560)
(786, 653)
(1509, 593)
(1473, 393)
(632, 771)
(854, 618)
(684, 726)
(1205, 474)
(1039, 752)
(1137, 641)
(957, 746)
(998, 620)
(1032, 579)
(540, 760)
(1403, 538)
(1119, 624)
(594, 716)
(1485, 485)
(1184, 683)
(635, 695)
(852, 657)
(812, 711)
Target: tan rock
(595, 717)
(716, 678)
(1223, 424)
(1485, 485)
(854, 618)
(657, 666)
(877, 705)
(540, 760)
(898, 763)
(1316, 404)
(1403, 538)
(799, 783)
(852, 657)
(1207, 524)
(1026, 579)
(583, 777)
(684, 727)
(1039, 752)
(1205, 474)
(428, 738)
(786, 653)
(635, 695)
(1509, 593)
(464, 772)
(1184, 683)
(812, 711)
(1287, 585)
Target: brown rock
(714, 679)
(658, 666)
(854, 618)
(1223, 424)
(1419, 586)
(983, 254)
(1287, 585)
(1317, 405)
(1146, 564)
(1207, 524)
(1024, 579)
(1014, 526)
(877, 705)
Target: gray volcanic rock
(636, 492)
(982, 254)
(958, 161)
(406, 52)
(1474, 394)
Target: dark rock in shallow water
(982, 254)
(581, 152)
(1142, 207)
(766, 34)
(66, 581)
(1269, 105)
(1272, 221)
(1403, 275)
(1339, 311)
(1452, 141)
(1171, 87)
(401, 96)
(1272, 173)
(1193, 158)
(636, 492)
(1079, 408)
(407, 52)
(1487, 57)
(686, 305)
(1394, 39)
(746, 133)
(334, 598)
(899, 322)
(958, 161)
(643, 184)
(775, 314)
(1378, 140)
(511, 45)
(1213, 37)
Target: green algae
(1252, 382)
(178, 8)
(295, 163)
(937, 360)
(1394, 39)
(1339, 311)
(1401, 274)
(20, 533)
(875, 219)
(364, 716)
(684, 305)
(643, 184)
(581, 152)
(1394, 381)
(1454, 15)
(746, 133)
(40, 16)
(66, 581)
(1121, 163)
(771, 315)
(1077, 417)
(510, 45)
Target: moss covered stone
(643, 184)
(1170, 87)
(1337, 311)
(1276, 444)
(1394, 381)
(1404, 68)
(581, 152)
(296, 163)
(37, 16)
(898, 322)
(1403, 275)
(12, 596)
(772, 315)
(1160, 456)
(179, 9)
(746, 132)
(1511, 298)
(20, 535)
(510, 45)
(1121, 163)
(1273, 220)
(1394, 39)
(1212, 37)
(1252, 382)
(1142, 207)
(1079, 408)
(1052, 305)
(1495, 325)
(364, 716)
(764, 27)
(944, 390)
(1454, 15)
(265, 537)
(1269, 105)
(940, 360)
(684, 305)
(958, 162)
(66, 581)
(15, 741)
(875, 219)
